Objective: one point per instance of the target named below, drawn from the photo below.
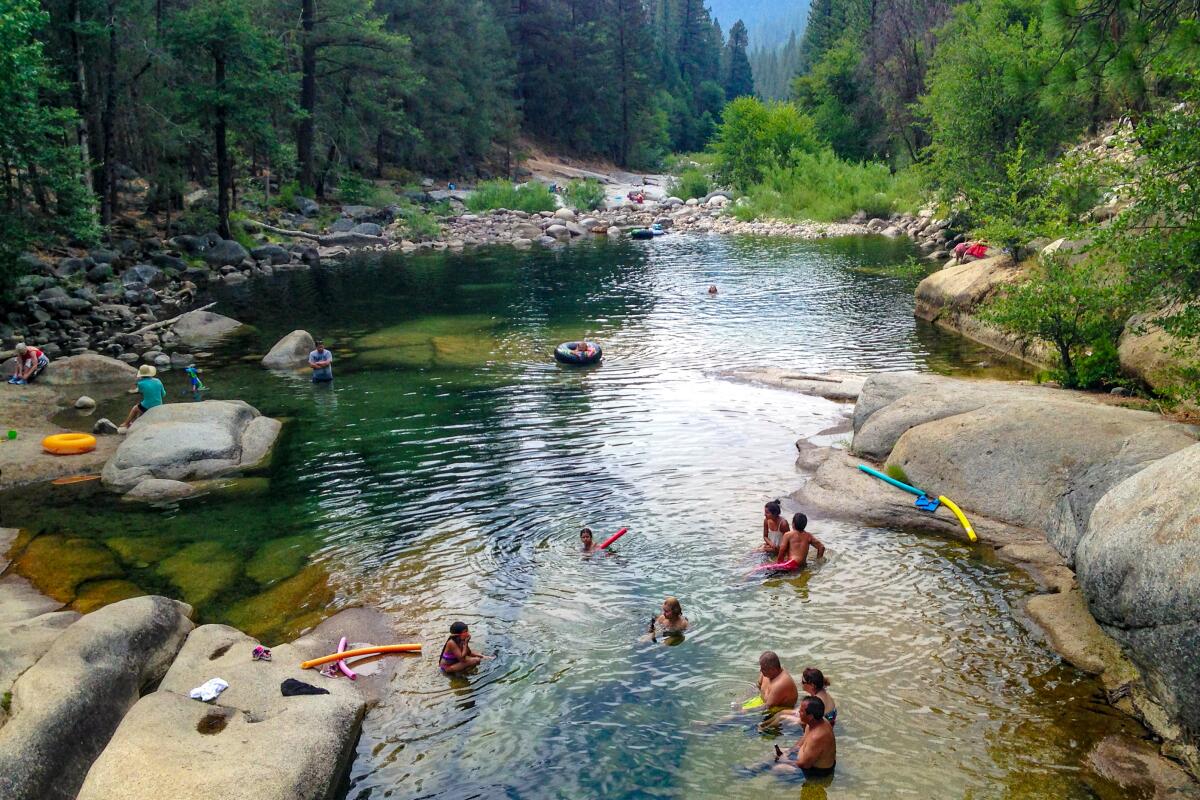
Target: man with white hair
(30, 363)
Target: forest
(219, 91)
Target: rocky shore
(1097, 502)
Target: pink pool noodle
(349, 673)
(613, 538)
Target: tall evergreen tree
(739, 79)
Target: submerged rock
(192, 441)
(57, 565)
(66, 707)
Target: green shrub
(354, 189)
(198, 219)
(287, 194)
(585, 195)
(756, 137)
(690, 183)
(531, 198)
(419, 225)
(896, 473)
(239, 232)
(822, 187)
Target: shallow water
(446, 472)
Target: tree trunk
(108, 189)
(306, 131)
(223, 180)
(81, 101)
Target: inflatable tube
(641, 233)
(613, 538)
(69, 444)
(341, 665)
(962, 518)
(889, 479)
(361, 651)
(753, 702)
(564, 354)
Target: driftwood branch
(164, 323)
(332, 240)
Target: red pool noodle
(349, 673)
(613, 538)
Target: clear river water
(445, 475)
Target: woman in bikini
(774, 527)
(456, 652)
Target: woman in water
(585, 536)
(456, 652)
(812, 683)
(774, 527)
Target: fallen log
(345, 239)
(165, 322)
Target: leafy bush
(531, 198)
(287, 194)
(1079, 308)
(586, 195)
(419, 225)
(197, 220)
(822, 187)
(239, 232)
(355, 189)
(756, 137)
(690, 183)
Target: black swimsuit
(818, 772)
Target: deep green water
(446, 472)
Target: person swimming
(456, 652)
(774, 527)
(585, 536)
(712, 289)
(814, 684)
(671, 620)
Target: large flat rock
(66, 707)
(1139, 567)
(203, 328)
(190, 441)
(87, 368)
(251, 743)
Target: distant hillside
(770, 22)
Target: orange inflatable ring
(69, 444)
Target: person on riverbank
(814, 684)
(30, 363)
(321, 363)
(589, 545)
(816, 753)
(775, 686)
(152, 391)
(774, 527)
(456, 653)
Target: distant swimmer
(712, 289)
(774, 527)
(816, 753)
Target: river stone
(143, 274)
(87, 368)
(1035, 462)
(565, 214)
(66, 707)
(272, 253)
(558, 231)
(962, 287)
(367, 229)
(202, 328)
(225, 253)
(154, 490)
(191, 441)
(1139, 567)
(252, 743)
(84, 402)
(307, 207)
(1153, 356)
(291, 351)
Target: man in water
(775, 685)
(321, 362)
(794, 547)
(816, 752)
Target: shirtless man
(816, 752)
(793, 549)
(775, 685)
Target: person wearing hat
(152, 391)
(321, 362)
(30, 363)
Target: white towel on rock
(208, 690)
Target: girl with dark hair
(456, 652)
(774, 527)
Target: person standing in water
(793, 549)
(776, 687)
(671, 620)
(813, 683)
(816, 752)
(456, 652)
(321, 363)
(774, 527)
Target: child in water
(585, 536)
(456, 652)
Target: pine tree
(739, 80)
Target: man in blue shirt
(321, 361)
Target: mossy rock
(280, 558)
(416, 356)
(235, 487)
(286, 609)
(201, 571)
(140, 552)
(57, 565)
(97, 594)
(422, 330)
